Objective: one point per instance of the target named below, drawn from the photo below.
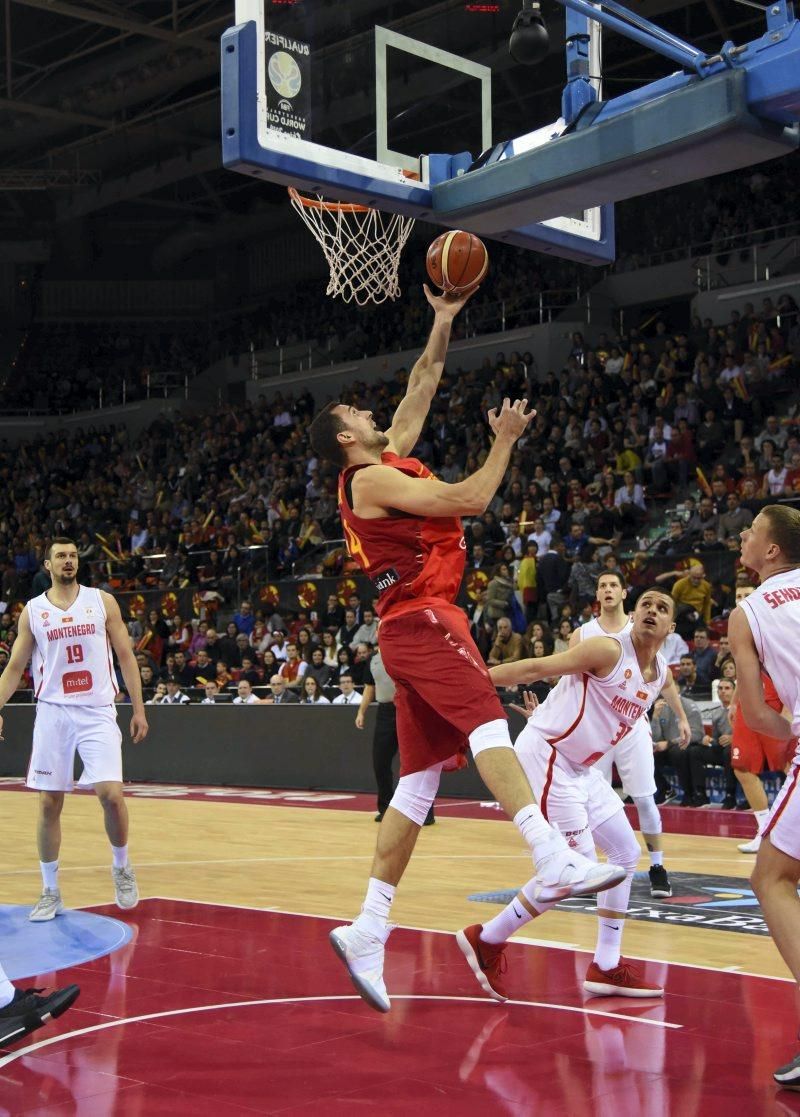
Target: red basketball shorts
(443, 687)
(753, 752)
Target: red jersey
(407, 558)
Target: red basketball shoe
(624, 980)
(486, 961)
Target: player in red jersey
(403, 527)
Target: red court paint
(428, 1056)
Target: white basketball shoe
(362, 954)
(562, 872)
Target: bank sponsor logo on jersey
(697, 900)
(385, 579)
(76, 682)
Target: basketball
(457, 261)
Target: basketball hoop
(362, 246)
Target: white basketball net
(362, 246)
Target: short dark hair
(661, 593)
(702, 630)
(59, 541)
(611, 574)
(346, 675)
(322, 435)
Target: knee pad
(618, 841)
(491, 735)
(415, 793)
(649, 814)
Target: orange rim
(329, 207)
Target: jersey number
(74, 653)
(354, 546)
(621, 732)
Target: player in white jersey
(69, 632)
(633, 756)
(764, 632)
(606, 687)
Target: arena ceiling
(112, 109)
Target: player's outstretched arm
(121, 643)
(760, 717)
(379, 488)
(410, 416)
(596, 656)
(671, 696)
(21, 652)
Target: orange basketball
(457, 261)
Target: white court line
(521, 855)
(554, 944)
(14, 1055)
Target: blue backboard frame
(717, 113)
(248, 147)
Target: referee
(378, 685)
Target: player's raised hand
(139, 728)
(447, 303)
(511, 420)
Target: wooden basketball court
(237, 901)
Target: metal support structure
(579, 90)
(618, 18)
(119, 23)
(30, 108)
(23, 178)
(9, 68)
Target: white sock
(656, 856)
(511, 918)
(539, 835)
(761, 818)
(7, 990)
(120, 855)
(49, 874)
(609, 942)
(374, 915)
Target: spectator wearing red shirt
(293, 667)
(681, 453)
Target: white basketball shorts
(633, 757)
(571, 796)
(61, 731)
(783, 823)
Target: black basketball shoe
(659, 882)
(28, 1011)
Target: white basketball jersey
(72, 663)
(584, 717)
(773, 613)
(594, 628)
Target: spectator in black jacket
(552, 575)
(333, 617)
